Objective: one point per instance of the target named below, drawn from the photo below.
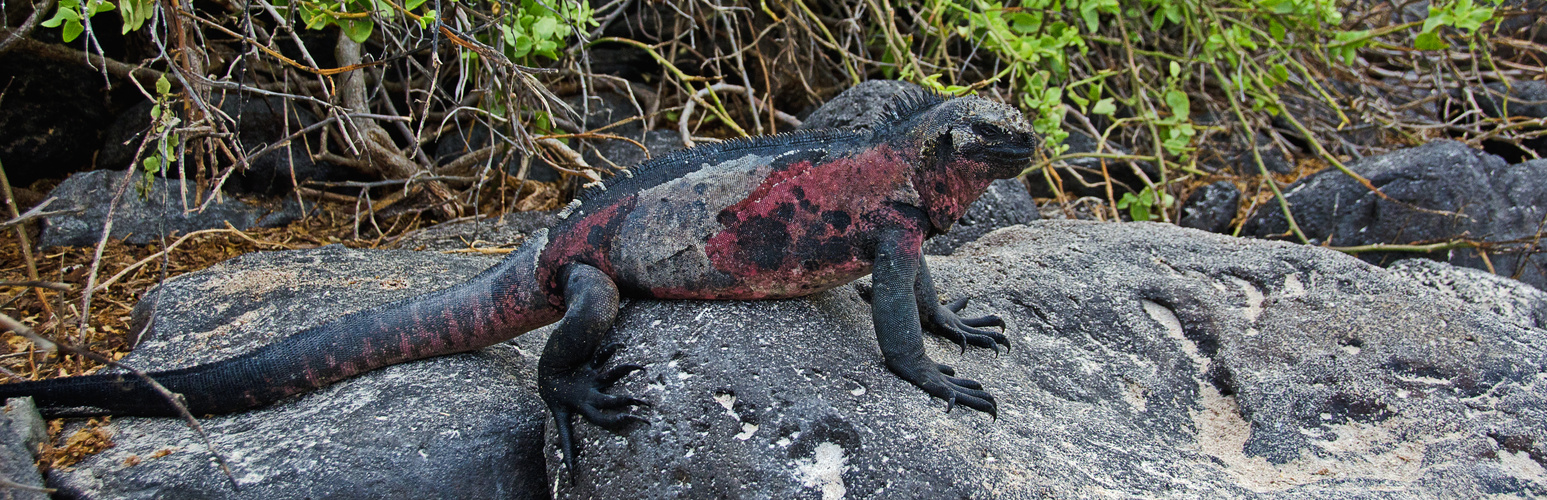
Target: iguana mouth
(1015, 152)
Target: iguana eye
(990, 132)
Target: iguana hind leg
(571, 374)
(895, 310)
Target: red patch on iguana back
(805, 228)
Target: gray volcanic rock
(1439, 191)
(1518, 302)
(21, 429)
(461, 426)
(145, 219)
(1147, 361)
(625, 154)
(53, 114)
(506, 231)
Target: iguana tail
(500, 303)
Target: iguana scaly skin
(762, 218)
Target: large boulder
(1438, 192)
(461, 426)
(145, 216)
(1146, 360)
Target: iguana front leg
(570, 373)
(942, 320)
(895, 310)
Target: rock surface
(1147, 361)
(505, 231)
(1439, 192)
(145, 219)
(21, 429)
(1518, 302)
(1211, 207)
(461, 426)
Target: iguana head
(962, 144)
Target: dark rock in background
(626, 154)
(1211, 207)
(600, 110)
(260, 121)
(858, 107)
(460, 426)
(21, 430)
(51, 113)
(1121, 171)
(1439, 191)
(1005, 203)
(1147, 361)
(1272, 158)
(1520, 99)
(145, 219)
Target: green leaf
(1127, 200)
(151, 164)
(1104, 107)
(53, 22)
(1276, 29)
(357, 30)
(1079, 99)
(163, 86)
(1179, 103)
(72, 29)
(1139, 211)
(413, 4)
(545, 28)
(1429, 41)
(1176, 69)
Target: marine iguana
(761, 218)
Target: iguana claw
(944, 321)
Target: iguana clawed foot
(580, 391)
(939, 381)
(944, 321)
